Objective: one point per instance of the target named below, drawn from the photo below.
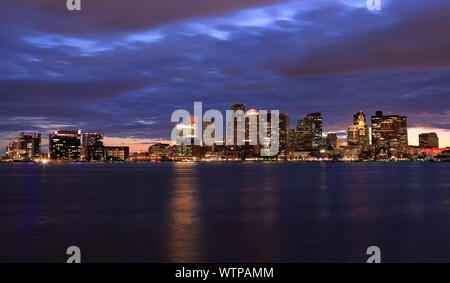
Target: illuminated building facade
(358, 132)
(91, 139)
(95, 152)
(284, 128)
(26, 148)
(160, 151)
(117, 153)
(13, 150)
(239, 120)
(65, 145)
(30, 145)
(389, 135)
(352, 152)
(429, 140)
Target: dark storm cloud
(409, 35)
(66, 91)
(118, 15)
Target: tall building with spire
(358, 132)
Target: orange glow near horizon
(135, 144)
(443, 134)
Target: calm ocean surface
(225, 212)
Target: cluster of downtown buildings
(64, 146)
(385, 139)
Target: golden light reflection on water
(184, 222)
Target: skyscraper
(91, 139)
(332, 140)
(65, 145)
(429, 140)
(389, 135)
(238, 120)
(252, 124)
(309, 131)
(358, 132)
(29, 145)
(26, 148)
(13, 150)
(284, 129)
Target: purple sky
(122, 67)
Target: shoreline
(226, 161)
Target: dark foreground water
(225, 212)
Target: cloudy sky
(122, 67)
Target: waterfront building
(431, 151)
(139, 157)
(389, 135)
(13, 150)
(429, 140)
(95, 152)
(117, 153)
(160, 151)
(352, 152)
(90, 139)
(30, 145)
(65, 145)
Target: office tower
(95, 152)
(117, 153)
(309, 131)
(429, 140)
(65, 145)
(358, 132)
(90, 139)
(264, 133)
(331, 140)
(29, 145)
(238, 120)
(252, 127)
(13, 150)
(30, 142)
(284, 128)
(389, 135)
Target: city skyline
(306, 136)
(125, 75)
(413, 137)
